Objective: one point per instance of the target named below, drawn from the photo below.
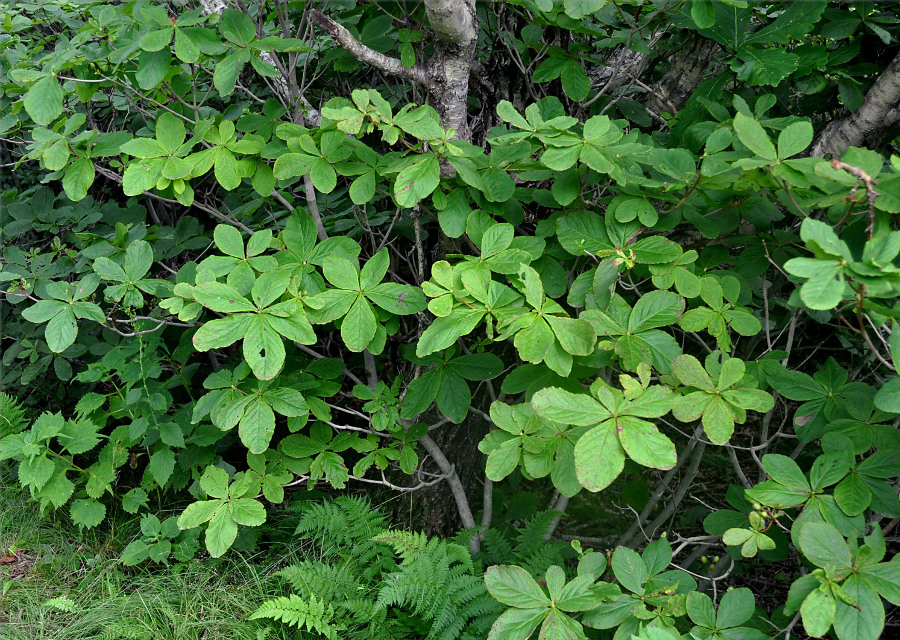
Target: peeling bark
(671, 92)
(456, 30)
(872, 116)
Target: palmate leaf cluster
(238, 264)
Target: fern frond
(126, 631)
(410, 546)
(297, 612)
(407, 544)
(12, 416)
(496, 548)
(328, 582)
(348, 518)
(436, 583)
(532, 535)
(61, 604)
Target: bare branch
(364, 54)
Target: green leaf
(576, 336)
(185, 48)
(61, 331)
(156, 40)
(44, 100)
(400, 299)
(888, 397)
(575, 81)
(87, 514)
(291, 165)
(220, 533)
(817, 612)
(263, 349)
(644, 444)
(754, 137)
(223, 332)
(655, 309)
(853, 495)
(517, 624)
(444, 331)
(703, 13)
(865, 620)
(417, 180)
(691, 373)
(794, 139)
(227, 71)
(323, 176)
(229, 241)
(514, 587)
(359, 325)
(503, 460)
(785, 471)
(257, 426)
(735, 608)
(135, 500)
(43, 310)
(630, 569)
(197, 513)
(578, 9)
(222, 298)
(237, 27)
(599, 457)
(161, 466)
(565, 407)
(152, 68)
(79, 437)
(701, 610)
(138, 260)
(247, 511)
(823, 545)
(374, 270)
(214, 482)
(78, 178)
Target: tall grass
(78, 590)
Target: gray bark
(456, 31)
(872, 116)
(671, 92)
(623, 66)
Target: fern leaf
(436, 583)
(295, 611)
(12, 416)
(62, 604)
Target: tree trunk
(672, 91)
(445, 76)
(456, 32)
(852, 131)
(623, 66)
